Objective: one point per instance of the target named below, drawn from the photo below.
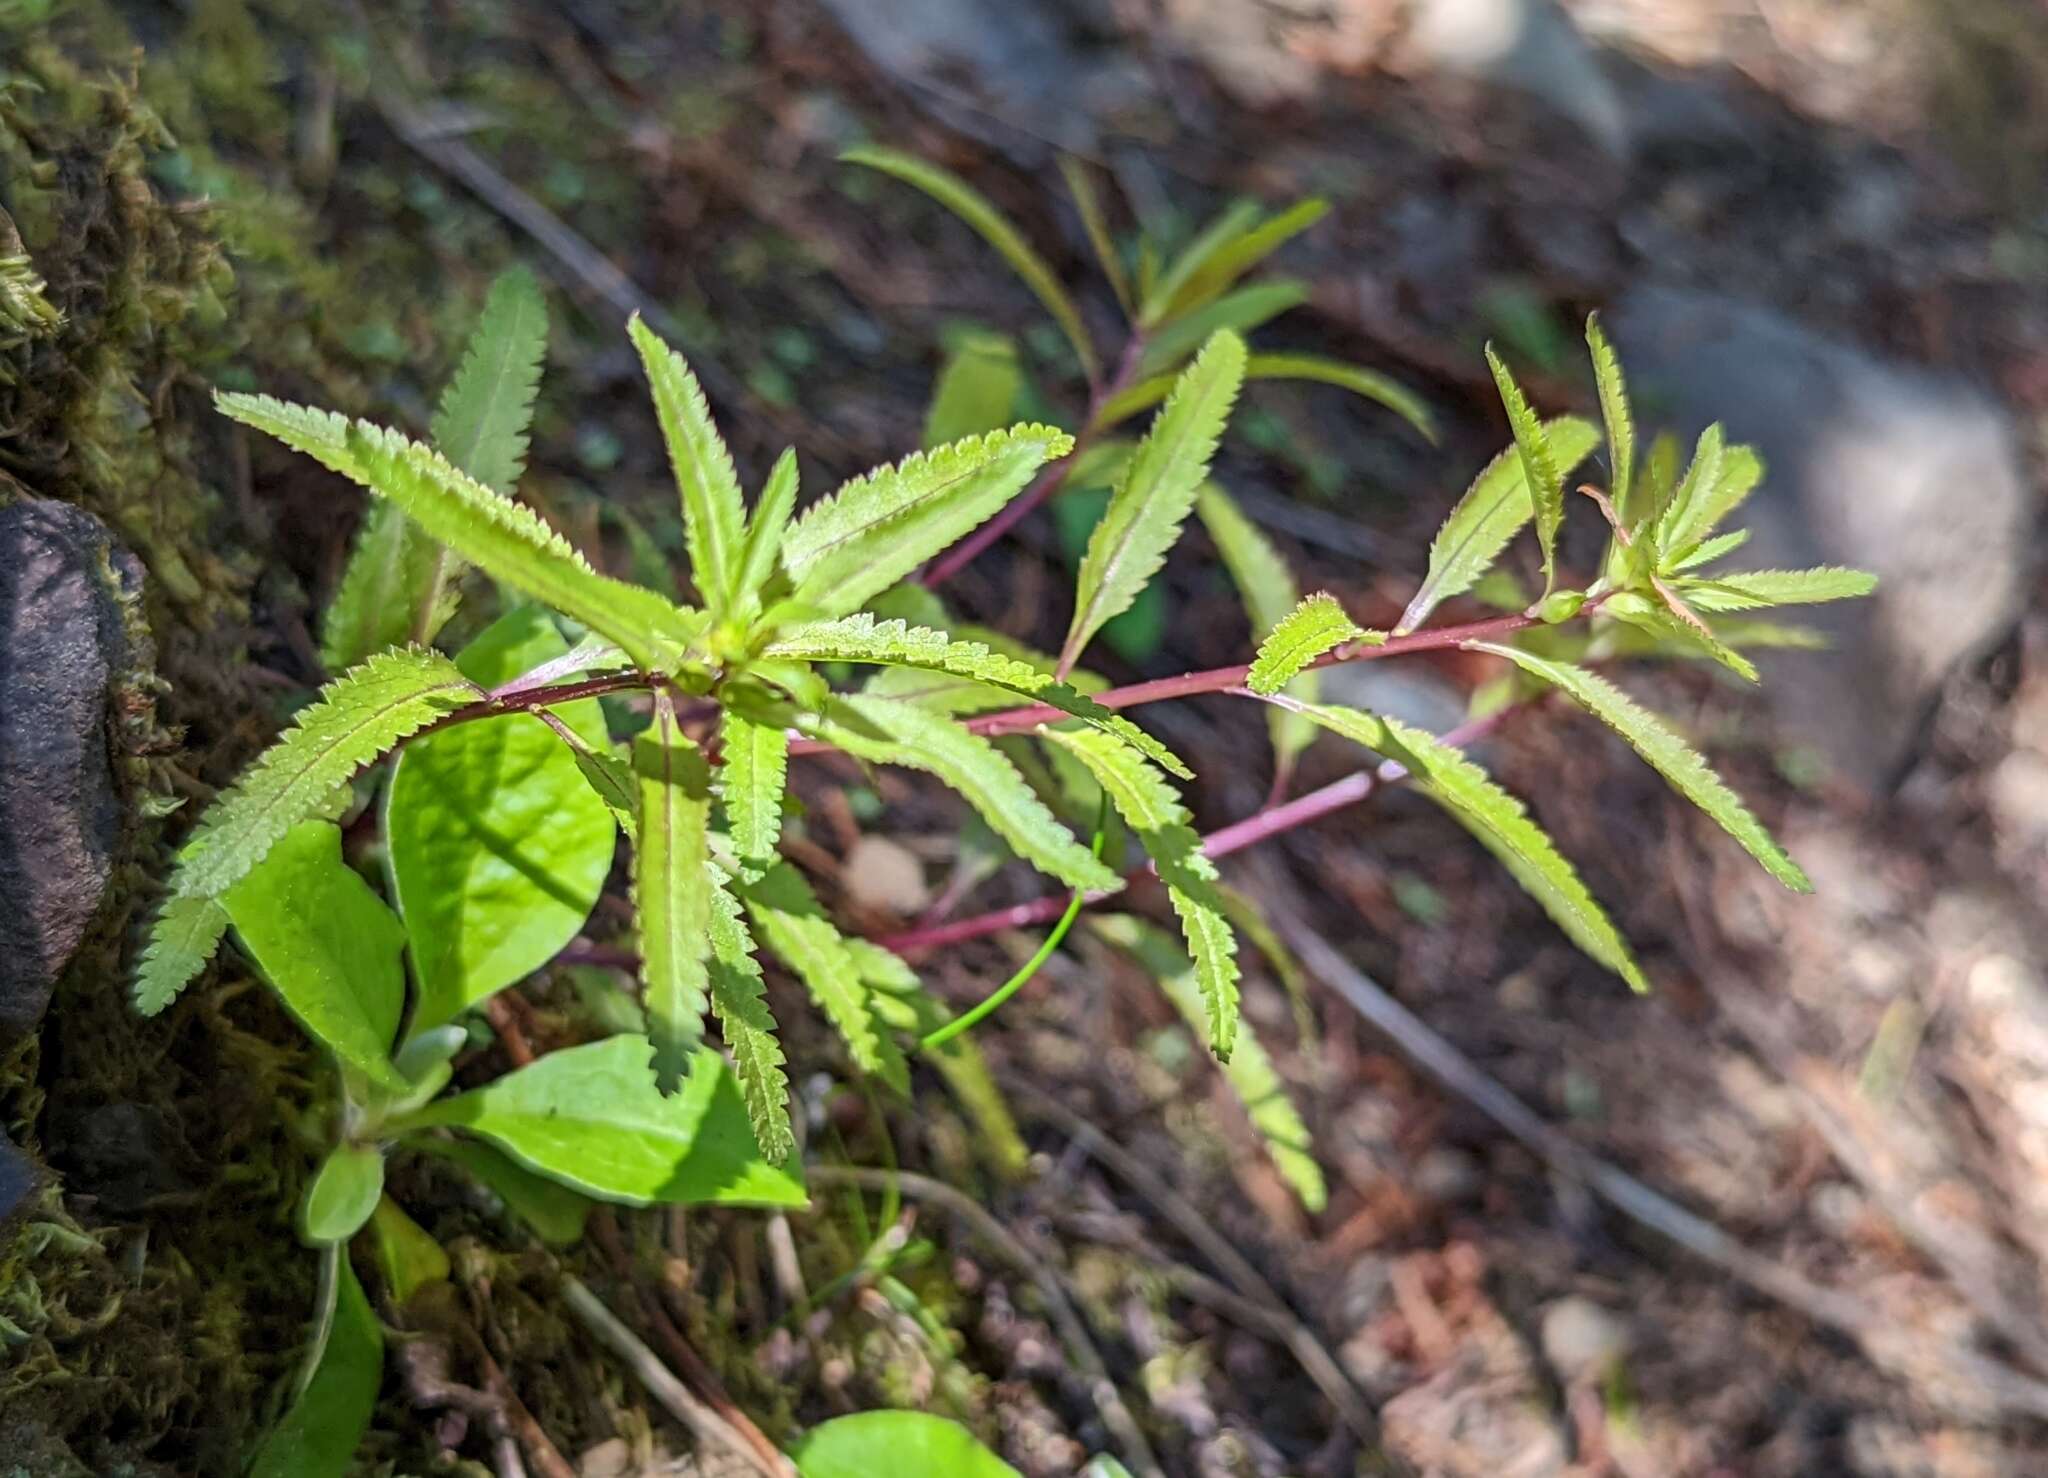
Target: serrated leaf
(671, 894)
(758, 560)
(1497, 819)
(1492, 512)
(740, 1002)
(1740, 472)
(1708, 551)
(1662, 623)
(791, 923)
(993, 227)
(1666, 753)
(861, 638)
(482, 420)
(1752, 590)
(1539, 465)
(1239, 312)
(497, 847)
(182, 938)
(379, 602)
(1155, 815)
(882, 732)
(1680, 522)
(1096, 224)
(592, 1118)
(976, 389)
(1249, 1071)
(1614, 411)
(714, 517)
(328, 946)
(753, 768)
(1157, 489)
(354, 720)
(1318, 625)
(879, 527)
(1244, 250)
(318, 1435)
(1362, 382)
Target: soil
(1847, 1086)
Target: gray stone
(61, 645)
(1529, 45)
(1884, 466)
(1581, 1340)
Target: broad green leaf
(1240, 312)
(355, 719)
(976, 389)
(1493, 511)
(993, 227)
(1666, 626)
(1156, 817)
(1614, 411)
(407, 1256)
(671, 890)
(882, 525)
(317, 1437)
(1249, 1071)
(383, 597)
(1666, 752)
(1155, 492)
(554, 1211)
(1362, 382)
(1269, 591)
(592, 1118)
(1752, 590)
(182, 938)
(1539, 465)
(753, 769)
(343, 1193)
(882, 732)
(861, 638)
(900, 1444)
(328, 946)
(1237, 256)
(793, 924)
(740, 1002)
(1318, 625)
(714, 518)
(1497, 819)
(498, 848)
(765, 528)
(1230, 223)
(1093, 221)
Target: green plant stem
(988, 1005)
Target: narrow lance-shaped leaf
(1240, 312)
(1243, 252)
(791, 923)
(1230, 223)
(1365, 383)
(1249, 1071)
(356, 718)
(883, 732)
(1096, 224)
(995, 228)
(753, 768)
(1735, 479)
(1614, 411)
(862, 638)
(318, 1435)
(765, 528)
(380, 601)
(1155, 815)
(670, 888)
(1658, 619)
(1539, 465)
(740, 1003)
(1491, 513)
(1318, 625)
(714, 518)
(1682, 520)
(1667, 753)
(1156, 491)
(882, 525)
(1497, 819)
(1750, 590)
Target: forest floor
(1844, 1092)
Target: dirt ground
(1787, 1217)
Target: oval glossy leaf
(900, 1444)
(498, 846)
(592, 1118)
(328, 946)
(343, 1194)
(317, 1437)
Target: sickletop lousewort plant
(507, 792)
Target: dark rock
(61, 645)
(18, 1179)
(128, 1156)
